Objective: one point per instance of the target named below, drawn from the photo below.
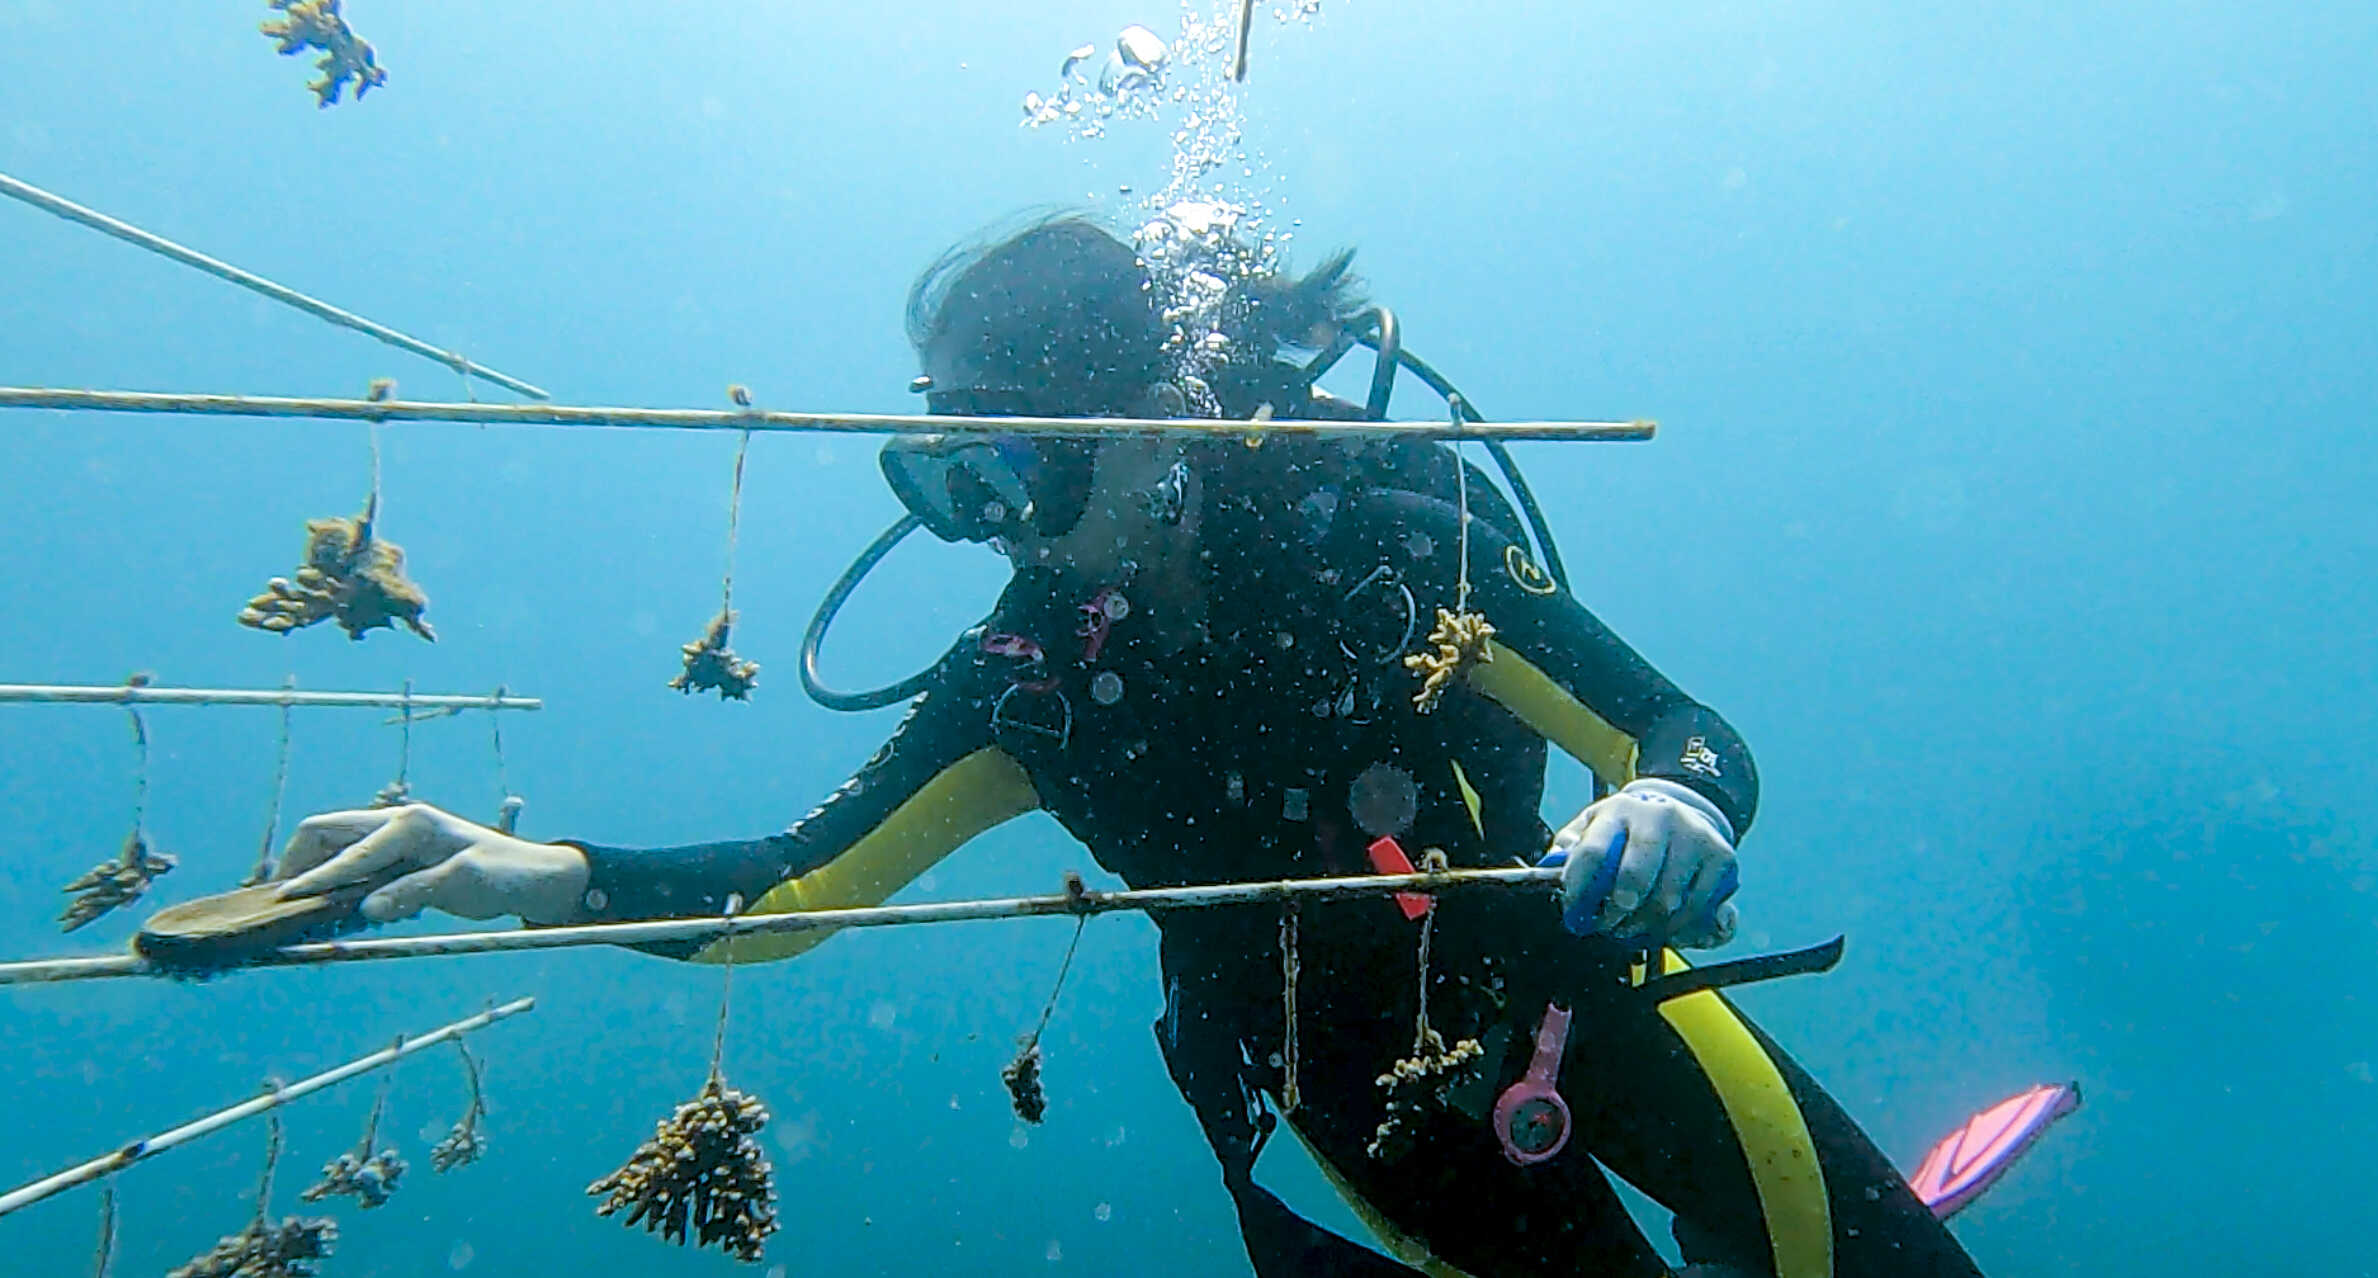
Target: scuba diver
(1198, 668)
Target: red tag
(1387, 857)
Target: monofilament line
(280, 784)
(140, 776)
(734, 519)
(1461, 484)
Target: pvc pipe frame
(658, 931)
(62, 207)
(122, 695)
(754, 419)
(111, 1163)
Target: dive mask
(976, 487)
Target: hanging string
(106, 1258)
(726, 989)
(1461, 481)
(400, 789)
(140, 776)
(404, 739)
(508, 804)
(263, 870)
(1049, 1008)
(496, 729)
(1290, 1096)
(371, 1126)
(272, 1156)
(734, 519)
(371, 508)
(1021, 1075)
(1433, 861)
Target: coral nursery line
(1075, 900)
(60, 206)
(141, 694)
(757, 419)
(137, 1151)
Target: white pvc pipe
(110, 1163)
(122, 694)
(754, 419)
(661, 931)
(158, 244)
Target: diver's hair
(1066, 305)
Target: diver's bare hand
(443, 861)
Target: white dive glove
(425, 858)
(1653, 861)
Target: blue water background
(2015, 365)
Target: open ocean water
(2015, 362)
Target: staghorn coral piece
(368, 1179)
(1417, 1083)
(1022, 1076)
(265, 1250)
(466, 1142)
(113, 884)
(348, 575)
(701, 1171)
(1459, 640)
(710, 664)
(347, 58)
(1423, 1081)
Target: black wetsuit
(1277, 747)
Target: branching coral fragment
(710, 664)
(701, 1171)
(364, 1173)
(263, 1250)
(1419, 1083)
(466, 1142)
(112, 884)
(1022, 1076)
(348, 575)
(369, 1180)
(1459, 640)
(346, 57)
(1423, 1081)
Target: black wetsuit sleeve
(935, 784)
(1556, 666)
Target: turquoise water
(2014, 362)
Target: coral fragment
(702, 1171)
(264, 1250)
(347, 58)
(368, 1179)
(710, 664)
(348, 575)
(1459, 640)
(113, 884)
(1022, 1076)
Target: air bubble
(1142, 48)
